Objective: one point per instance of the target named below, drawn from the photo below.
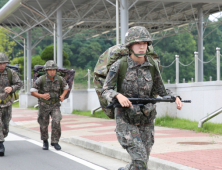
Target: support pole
(88, 78)
(29, 59)
(25, 78)
(54, 42)
(200, 44)
(59, 39)
(196, 66)
(124, 16)
(177, 69)
(117, 22)
(218, 63)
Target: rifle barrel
(143, 101)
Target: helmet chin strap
(137, 55)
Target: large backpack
(103, 65)
(67, 74)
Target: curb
(105, 149)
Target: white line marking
(81, 161)
(12, 137)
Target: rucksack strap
(43, 82)
(122, 72)
(9, 73)
(152, 68)
(60, 83)
(123, 69)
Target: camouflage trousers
(5, 117)
(137, 140)
(43, 120)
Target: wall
(205, 96)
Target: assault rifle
(15, 68)
(144, 101)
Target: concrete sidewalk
(173, 149)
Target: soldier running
(9, 83)
(135, 124)
(50, 89)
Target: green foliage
(36, 60)
(2, 3)
(48, 54)
(98, 114)
(81, 78)
(183, 45)
(172, 122)
(6, 45)
(84, 53)
(15, 104)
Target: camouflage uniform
(135, 127)
(6, 99)
(51, 106)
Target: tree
(88, 55)
(183, 45)
(210, 43)
(48, 53)
(2, 3)
(6, 46)
(36, 60)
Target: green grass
(15, 104)
(98, 114)
(167, 121)
(37, 108)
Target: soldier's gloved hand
(8, 89)
(124, 101)
(178, 103)
(61, 98)
(46, 96)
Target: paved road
(23, 153)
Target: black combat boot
(45, 145)
(56, 146)
(2, 149)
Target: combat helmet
(3, 58)
(137, 34)
(50, 65)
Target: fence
(196, 59)
(86, 81)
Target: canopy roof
(98, 17)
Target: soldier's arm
(161, 91)
(158, 86)
(109, 85)
(16, 81)
(65, 89)
(34, 90)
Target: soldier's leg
(43, 120)
(147, 137)
(129, 138)
(6, 117)
(1, 126)
(56, 127)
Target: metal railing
(195, 60)
(210, 116)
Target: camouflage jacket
(136, 84)
(4, 82)
(51, 87)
